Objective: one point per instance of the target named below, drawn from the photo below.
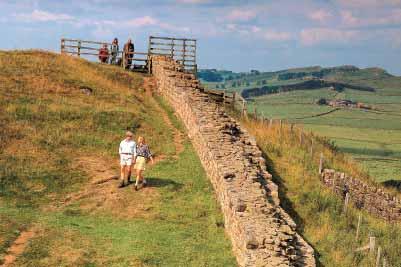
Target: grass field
(61, 120)
(373, 137)
(316, 210)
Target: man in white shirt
(127, 153)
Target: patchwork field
(61, 120)
(373, 137)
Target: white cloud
(320, 15)
(392, 17)
(241, 15)
(141, 22)
(369, 3)
(150, 21)
(102, 32)
(272, 35)
(43, 16)
(193, 1)
(313, 36)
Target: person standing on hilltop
(142, 156)
(128, 53)
(114, 51)
(128, 155)
(103, 53)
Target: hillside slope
(61, 120)
(372, 136)
(318, 212)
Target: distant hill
(347, 74)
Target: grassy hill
(61, 120)
(370, 136)
(318, 212)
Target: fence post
(358, 227)
(255, 113)
(62, 46)
(234, 99)
(372, 243)
(270, 123)
(243, 107)
(149, 62)
(321, 163)
(346, 203)
(172, 49)
(79, 48)
(311, 148)
(123, 59)
(184, 52)
(301, 138)
(379, 251)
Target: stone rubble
(362, 195)
(262, 233)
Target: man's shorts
(125, 160)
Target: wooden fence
(181, 49)
(90, 49)
(233, 99)
(368, 246)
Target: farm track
(18, 246)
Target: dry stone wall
(362, 195)
(262, 233)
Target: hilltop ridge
(61, 121)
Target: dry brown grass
(317, 211)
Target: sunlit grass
(317, 211)
(55, 109)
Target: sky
(235, 35)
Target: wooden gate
(180, 49)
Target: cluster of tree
(210, 76)
(261, 82)
(315, 74)
(307, 85)
(240, 83)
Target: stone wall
(262, 233)
(362, 195)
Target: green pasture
(373, 137)
(50, 130)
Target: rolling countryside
(371, 135)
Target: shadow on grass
(163, 182)
(396, 184)
(286, 204)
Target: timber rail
(182, 50)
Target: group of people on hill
(111, 56)
(133, 153)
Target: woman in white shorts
(142, 155)
(127, 153)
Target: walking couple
(133, 153)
